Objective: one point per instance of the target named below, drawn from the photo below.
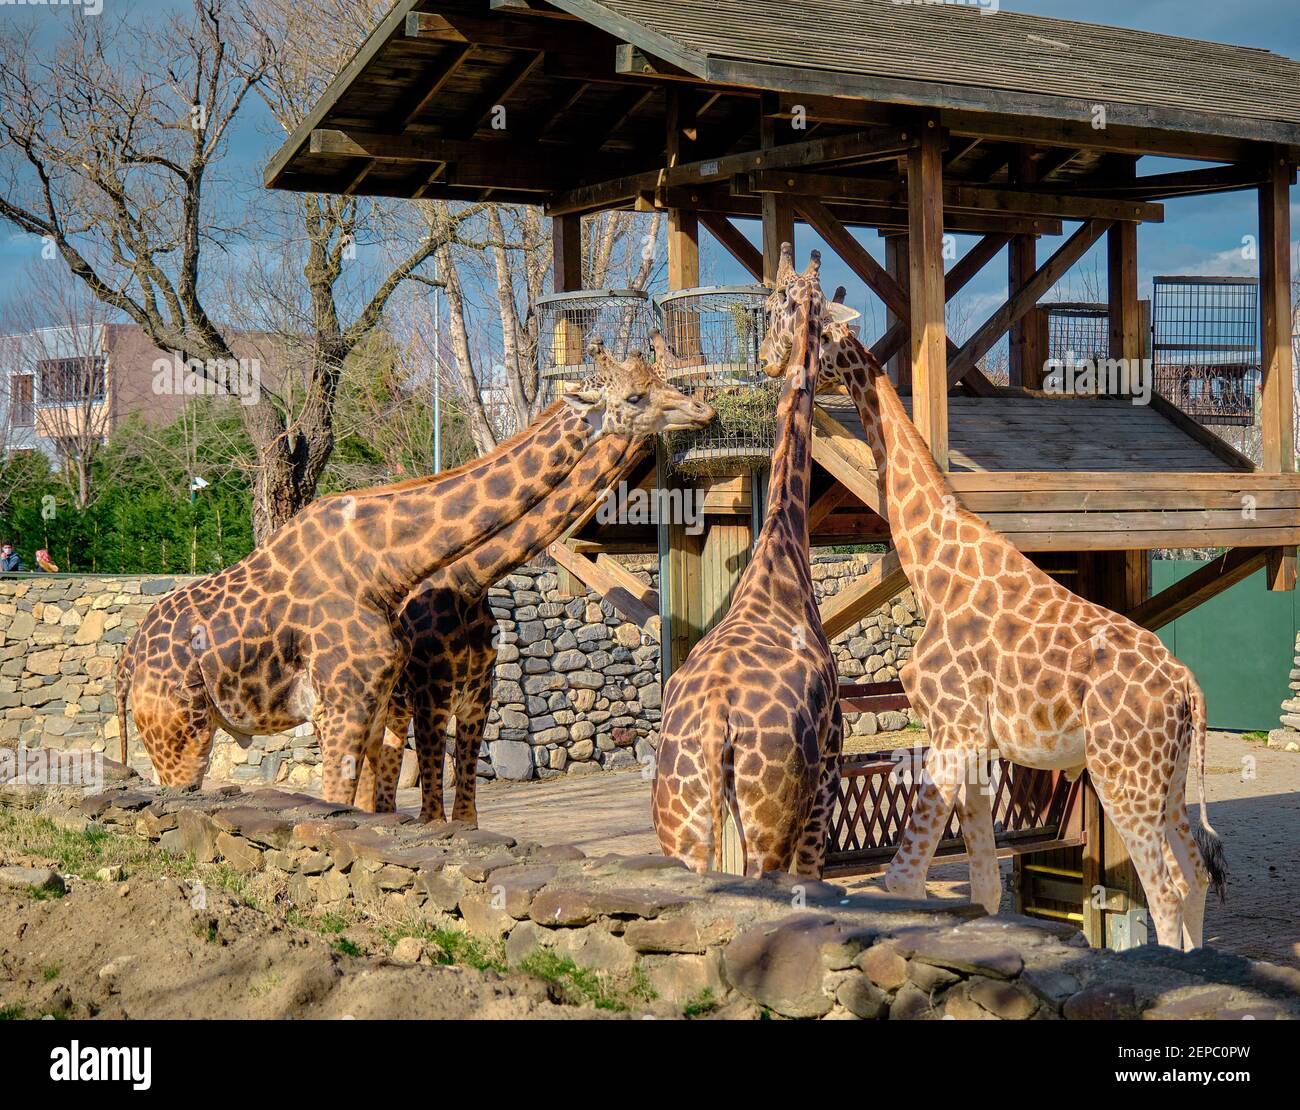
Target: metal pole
(437, 377)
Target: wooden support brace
(1199, 586)
(847, 459)
(883, 580)
(615, 583)
(734, 240)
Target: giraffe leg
(471, 716)
(431, 719)
(975, 812)
(346, 734)
(1143, 833)
(931, 808)
(811, 855)
(377, 783)
(177, 732)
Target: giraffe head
(796, 300)
(629, 399)
(843, 354)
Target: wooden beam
(825, 505)
(1198, 587)
(883, 581)
(847, 459)
(926, 293)
(1122, 293)
(1022, 261)
(566, 258)
(613, 586)
(734, 240)
(683, 224)
(1277, 389)
(896, 263)
(437, 81)
(877, 144)
(1023, 201)
(854, 254)
(632, 61)
(1046, 276)
(778, 215)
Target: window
(22, 413)
(68, 380)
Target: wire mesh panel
(712, 336)
(1205, 346)
(1078, 330)
(568, 322)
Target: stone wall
(1287, 738)
(577, 689)
(714, 945)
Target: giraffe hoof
(905, 888)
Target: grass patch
(49, 974)
(700, 1005)
(1258, 737)
(345, 947)
(45, 894)
(12, 1013)
(599, 990)
(450, 946)
(81, 852)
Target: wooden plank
(1022, 261)
(683, 224)
(1046, 276)
(899, 268)
(854, 254)
(778, 215)
(734, 240)
(566, 239)
(883, 580)
(930, 375)
(612, 588)
(1198, 587)
(1281, 568)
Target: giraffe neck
(919, 500)
(781, 553)
(602, 466)
(388, 540)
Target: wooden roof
(584, 88)
(957, 56)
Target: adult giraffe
(305, 626)
(751, 721)
(449, 629)
(1011, 662)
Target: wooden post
(1277, 391)
(566, 274)
(778, 214)
(898, 268)
(929, 337)
(1122, 294)
(683, 223)
(1022, 261)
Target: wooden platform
(1078, 474)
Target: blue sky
(1199, 235)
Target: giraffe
(449, 628)
(751, 721)
(305, 626)
(1013, 663)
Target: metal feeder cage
(1078, 329)
(568, 322)
(1206, 346)
(712, 336)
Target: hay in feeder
(742, 437)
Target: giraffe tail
(1207, 840)
(122, 691)
(722, 798)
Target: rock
(883, 966)
(574, 908)
(526, 938)
(408, 950)
(109, 874)
(681, 979)
(512, 759)
(778, 964)
(1008, 1001)
(32, 878)
(484, 919)
(929, 978)
(241, 854)
(951, 949)
(1102, 1003)
(862, 998)
(595, 949)
(910, 1004)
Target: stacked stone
(576, 690)
(1287, 738)
(59, 640)
(724, 945)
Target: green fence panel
(1239, 645)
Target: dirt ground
(176, 940)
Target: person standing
(9, 558)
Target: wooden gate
(1033, 810)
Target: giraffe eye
(636, 398)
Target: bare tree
(108, 152)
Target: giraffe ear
(841, 313)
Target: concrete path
(1254, 805)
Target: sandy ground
(177, 941)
